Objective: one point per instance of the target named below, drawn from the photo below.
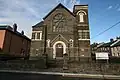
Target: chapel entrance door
(59, 50)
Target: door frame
(54, 48)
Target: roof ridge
(41, 22)
(60, 4)
(115, 42)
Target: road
(33, 76)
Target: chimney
(111, 40)
(14, 27)
(22, 32)
(117, 37)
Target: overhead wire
(106, 30)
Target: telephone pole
(45, 38)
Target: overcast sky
(102, 15)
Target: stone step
(55, 63)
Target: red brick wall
(2, 34)
(14, 44)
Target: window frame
(81, 15)
(36, 37)
(62, 22)
(83, 34)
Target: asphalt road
(29, 76)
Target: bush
(114, 59)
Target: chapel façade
(65, 32)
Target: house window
(22, 52)
(83, 34)
(100, 49)
(118, 54)
(117, 48)
(37, 35)
(105, 49)
(113, 54)
(33, 35)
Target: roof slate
(117, 44)
(107, 44)
(4, 26)
(40, 24)
(9, 28)
(59, 5)
(94, 45)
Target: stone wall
(94, 68)
(73, 67)
(23, 64)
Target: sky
(26, 13)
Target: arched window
(81, 18)
(81, 15)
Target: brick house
(106, 47)
(102, 47)
(61, 32)
(94, 47)
(13, 42)
(115, 48)
(112, 47)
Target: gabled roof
(94, 45)
(59, 5)
(40, 24)
(100, 44)
(107, 44)
(9, 28)
(4, 26)
(117, 43)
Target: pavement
(54, 74)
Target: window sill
(36, 40)
(84, 39)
